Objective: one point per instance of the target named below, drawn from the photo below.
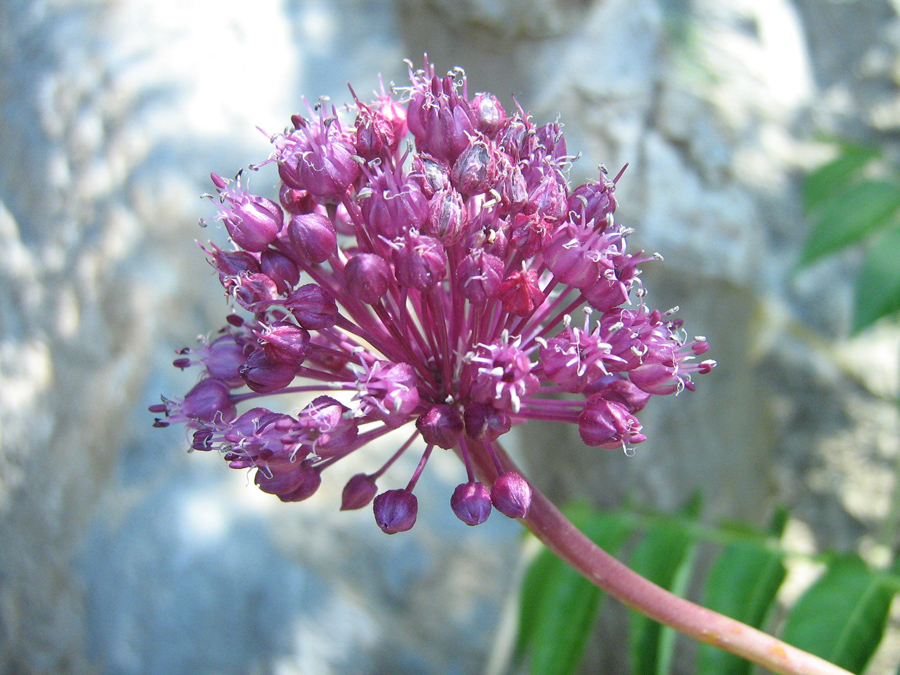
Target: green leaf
(860, 210)
(830, 180)
(558, 606)
(842, 616)
(878, 283)
(663, 557)
(742, 584)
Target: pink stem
(604, 571)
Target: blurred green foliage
(853, 199)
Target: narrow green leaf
(860, 210)
(742, 584)
(842, 616)
(558, 606)
(878, 283)
(830, 180)
(662, 557)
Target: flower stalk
(557, 533)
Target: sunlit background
(122, 554)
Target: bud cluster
(430, 283)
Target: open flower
(432, 292)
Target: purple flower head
(426, 288)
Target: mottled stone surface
(121, 554)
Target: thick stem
(603, 570)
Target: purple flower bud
(368, 277)
(527, 234)
(358, 492)
(578, 255)
(548, 197)
(313, 237)
(255, 292)
(325, 425)
(252, 222)
(475, 170)
(224, 358)
(447, 217)
(292, 481)
(312, 306)
(439, 119)
(284, 342)
(388, 391)
(513, 189)
(479, 275)
(489, 113)
(431, 175)
(617, 389)
(520, 292)
(550, 138)
(317, 157)
(395, 205)
(471, 502)
(280, 269)
(516, 138)
(231, 263)
(590, 204)
(265, 375)
(208, 400)
(511, 495)
(377, 130)
(441, 425)
(608, 424)
(484, 422)
(420, 262)
(395, 511)
(295, 201)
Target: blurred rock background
(121, 554)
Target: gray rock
(122, 554)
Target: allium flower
(431, 290)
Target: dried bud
(447, 217)
(475, 171)
(489, 113)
